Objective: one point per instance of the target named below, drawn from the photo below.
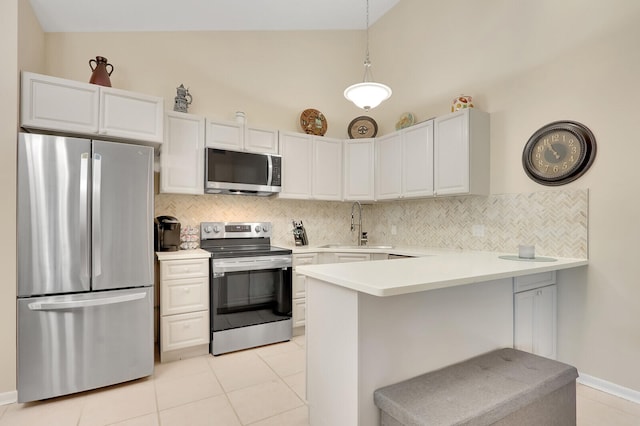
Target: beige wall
(8, 125)
(527, 63)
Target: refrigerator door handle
(97, 224)
(75, 304)
(84, 214)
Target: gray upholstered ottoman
(503, 387)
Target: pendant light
(368, 94)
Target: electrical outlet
(394, 230)
(477, 230)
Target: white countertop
(183, 254)
(436, 269)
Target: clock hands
(553, 151)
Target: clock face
(559, 153)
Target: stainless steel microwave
(244, 173)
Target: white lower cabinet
(184, 308)
(535, 314)
(347, 257)
(299, 287)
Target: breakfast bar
(372, 324)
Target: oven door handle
(221, 266)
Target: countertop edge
(345, 275)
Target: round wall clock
(559, 153)
(313, 122)
(362, 127)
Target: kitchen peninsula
(371, 324)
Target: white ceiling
(205, 15)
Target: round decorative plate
(313, 122)
(559, 153)
(406, 120)
(362, 127)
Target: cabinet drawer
(184, 330)
(351, 257)
(305, 259)
(184, 295)
(299, 286)
(188, 268)
(529, 282)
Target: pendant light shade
(368, 94)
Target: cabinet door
(417, 160)
(359, 156)
(129, 115)
(535, 321)
(299, 313)
(296, 150)
(388, 173)
(261, 140)
(451, 154)
(182, 155)
(57, 104)
(224, 135)
(327, 169)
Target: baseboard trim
(610, 388)
(7, 398)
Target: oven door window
(240, 299)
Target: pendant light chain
(367, 61)
(368, 94)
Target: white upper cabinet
(296, 150)
(238, 137)
(261, 140)
(359, 165)
(182, 155)
(388, 173)
(327, 169)
(311, 167)
(404, 163)
(52, 103)
(417, 160)
(224, 135)
(130, 115)
(461, 153)
(67, 106)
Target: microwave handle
(270, 172)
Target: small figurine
(182, 100)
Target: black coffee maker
(167, 233)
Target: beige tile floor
(258, 387)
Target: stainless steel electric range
(250, 286)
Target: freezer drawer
(73, 343)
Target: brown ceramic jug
(100, 74)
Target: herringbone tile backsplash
(556, 222)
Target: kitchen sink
(346, 246)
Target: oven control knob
(216, 228)
(265, 229)
(208, 229)
(258, 229)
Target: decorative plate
(407, 119)
(313, 122)
(362, 127)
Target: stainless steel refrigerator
(85, 264)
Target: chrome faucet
(362, 236)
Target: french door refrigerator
(85, 264)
